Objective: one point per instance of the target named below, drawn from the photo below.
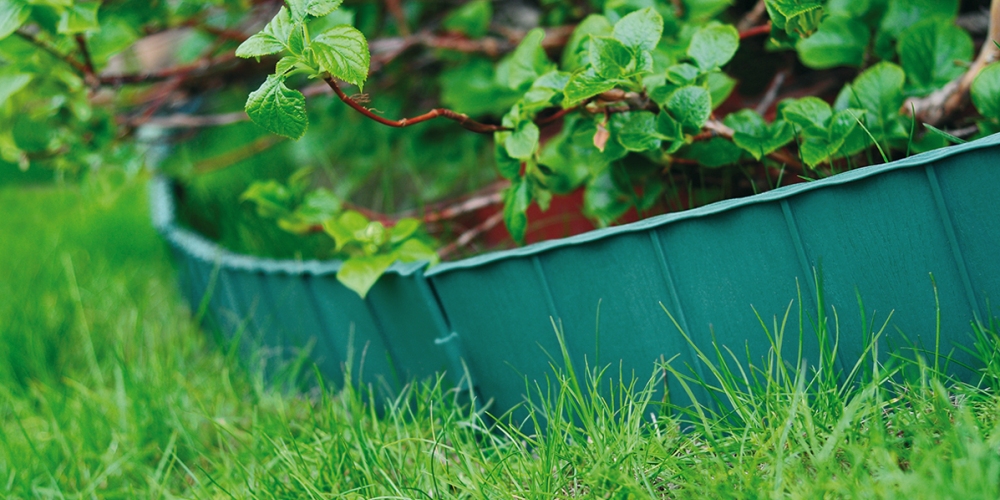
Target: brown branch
(467, 206)
(944, 103)
(467, 237)
(771, 95)
(237, 155)
(462, 119)
(77, 65)
(763, 29)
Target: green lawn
(108, 390)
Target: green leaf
(11, 84)
(691, 106)
(668, 128)
(713, 46)
(636, 131)
(526, 63)
(641, 30)
(930, 51)
(260, 44)
(879, 90)
(361, 273)
(577, 54)
(755, 136)
(586, 84)
(905, 13)
(720, 85)
(278, 109)
(603, 199)
(840, 41)
(682, 74)
(517, 198)
(986, 91)
(472, 19)
(271, 40)
(806, 113)
(79, 18)
(714, 153)
(320, 8)
(343, 51)
(697, 11)
(13, 13)
(272, 198)
(403, 229)
(610, 58)
(509, 167)
(415, 250)
(319, 205)
(523, 142)
(795, 17)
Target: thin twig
(462, 119)
(467, 206)
(772, 91)
(396, 9)
(166, 74)
(88, 64)
(77, 65)
(467, 237)
(181, 120)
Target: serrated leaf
(403, 229)
(13, 13)
(523, 141)
(517, 198)
(586, 84)
(641, 30)
(361, 273)
(320, 8)
(278, 109)
(603, 200)
(795, 17)
(691, 106)
(839, 41)
(668, 128)
(79, 18)
(526, 63)
(713, 46)
(931, 52)
(986, 91)
(343, 51)
(636, 131)
(610, 58)
(260, 44)
(472, 19)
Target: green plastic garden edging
(879, 233)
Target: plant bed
(888, 234)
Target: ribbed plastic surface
(878, 233)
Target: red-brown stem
(462, 119)
(756, 31)
(469, 205)
(88, 63)
(466, 237)
(557, 115)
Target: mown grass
(107, 390)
